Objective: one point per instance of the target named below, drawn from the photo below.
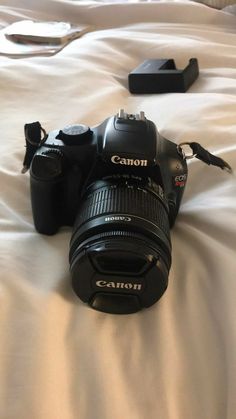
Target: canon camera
(120, 186)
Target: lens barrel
(120, 250)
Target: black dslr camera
(120, 186)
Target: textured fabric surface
(60, 359)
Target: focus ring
(124, 200)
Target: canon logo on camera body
(126, 285)
(128, 162)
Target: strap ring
(183, 153)
(33, 142)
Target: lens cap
(102, 277)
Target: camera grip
(46, 193)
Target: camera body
(120, 184)
(72, 158)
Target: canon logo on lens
(117, 218)
(128, 162)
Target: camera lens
(120, 250)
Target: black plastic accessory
(162, 76)
(120, 185)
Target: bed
(60, 359)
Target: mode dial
(74, 134)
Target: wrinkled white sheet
(59, 359)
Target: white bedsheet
(59, 359)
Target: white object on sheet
(219, 4)
(230, 9)
(27, 37)
(60, 359)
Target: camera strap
(33, 139)
(204, 155)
